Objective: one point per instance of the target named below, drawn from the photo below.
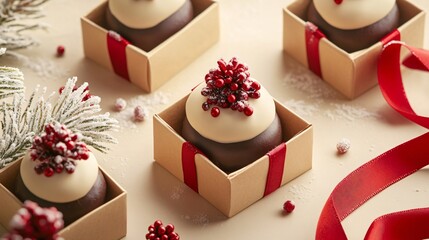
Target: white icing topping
(141, 14)
(63, 187)
(353, 14)
(230, 126)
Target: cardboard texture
(108, 221)
(149, 70)
(355, 73)
(234, 192)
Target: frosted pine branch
(20, 123)
(17, 16)
(11, 80)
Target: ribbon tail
(410, 224)
(418, 60)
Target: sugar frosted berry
(140, 113)
(120, 104)
(343, 145)
(56, 149)
(157, 231)
(229, 86)
(34, 222)
(288, 206)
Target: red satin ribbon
(116, 46)
(274, 176)
(312, 39)
(277, 158)
(388, 168)
(395, 35)
(188, 165)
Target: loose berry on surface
(343, 145)
(60, 50)
(288, 206)
(120, 104)
(140, 114)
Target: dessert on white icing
(230, 126)
(141, 14)
(353, 14)
(63, 187)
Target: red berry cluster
(157, 231)
(230, 86)
(86, 97)
(33, 222)
(56, 149)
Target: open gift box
(352, 74)
(149, 70)
(231, 193)
(109, 221)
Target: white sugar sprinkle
(177, 192)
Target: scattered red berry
(57, 149)
(343, 145)
(338, 1)
(289, 206)
(157, 231)
(120, 104)
(60, 50)
(230, 86)
(140, 114)
(34, 222)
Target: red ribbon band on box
(313, 35)
(312, 38)
(277, 160)
(116, 45)
(188, 165)
(386, 169)
(274, 176)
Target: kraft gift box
(149, 70)
(352, 74)
(231, 193)
(109, 221)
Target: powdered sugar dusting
(301, 107)
(201, 219)
(43, 67)
(119, 168)
(302, 191)
(150, 102)
(300, 78)
(177, 192)
(318, 97)
(349, 112)
(335, 111)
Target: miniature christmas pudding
(354, 25)
(34, 222)
(147, 23)
(231, 118)
(60, 171)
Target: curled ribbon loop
(386, 169)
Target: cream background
(252, 31)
